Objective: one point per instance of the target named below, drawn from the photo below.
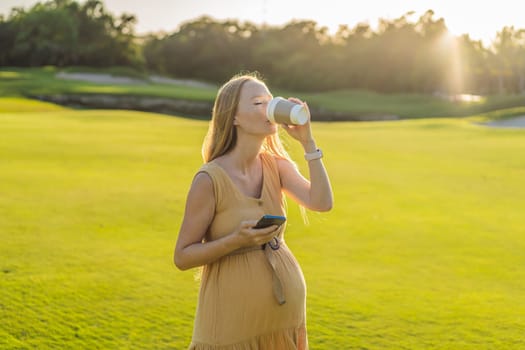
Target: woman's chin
(268, 130)
(273, 128)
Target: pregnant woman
(252, 293)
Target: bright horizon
(481, 22)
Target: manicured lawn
(42, 81)
(424, 248)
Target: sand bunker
(100, 78)
(516, 122)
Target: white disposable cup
(282, 111)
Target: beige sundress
(254, 298)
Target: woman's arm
(315, 194)
(190, 250)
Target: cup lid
(299, 115)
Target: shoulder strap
(273, 178)
(215, 176)
(272, 169)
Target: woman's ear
(235, 122)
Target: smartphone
(269, 220)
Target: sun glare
(449, 43)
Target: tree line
(405, 54)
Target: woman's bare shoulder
(284, 164)
(202, 182)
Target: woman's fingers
(255, 236)
(268, 236)
(265, 235)
(248, 223)
(296, 100)
(263, 231)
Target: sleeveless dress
(253, 298)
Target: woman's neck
(245, 154)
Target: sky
(480, 19)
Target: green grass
(23, 105)
(408, 105)
(42, 81)
(423, 249)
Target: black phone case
(269, 220)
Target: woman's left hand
(302, 133)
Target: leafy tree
(62, 32)
(403, 54)
(44, 35)
(509, 48)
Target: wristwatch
(317, 154)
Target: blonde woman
(252, 293)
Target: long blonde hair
(222, 134)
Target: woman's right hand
(248, 236)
